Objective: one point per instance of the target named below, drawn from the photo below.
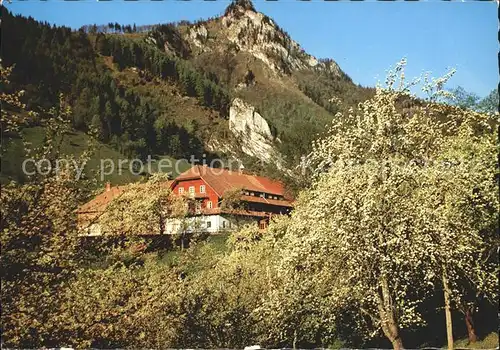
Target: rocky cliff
(252, 131)
(251, 135)
(255, 33)
(251, 40)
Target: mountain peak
(240, 5)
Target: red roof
(101, 201)
(92, 209)
(222, 180)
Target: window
(209, 205)
(202, 188)
(191, 190)
(209, 224)
(181, 190)
(223, 224)
(262, 224)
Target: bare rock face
(244, 119)
(257, 34)
(198, 35)
(253, 133)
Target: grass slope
(76, 143)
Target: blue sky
(365, 38)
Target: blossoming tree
(401, 200)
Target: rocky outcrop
(251, 129)
(257, 34)
(253, 32)
(253, 133)
(244, 119)
(198, 36)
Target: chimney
(108, 186)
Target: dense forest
(50, 60)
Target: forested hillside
(166, 90)
(53, 60)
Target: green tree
(458, 209)
(490, 103)
(124, 306)
(96, 125)
(462, 98)
(175, 146)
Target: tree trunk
(469, 322)
(294, 339)
(447, 311)
(397, 344)
(388, 317)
